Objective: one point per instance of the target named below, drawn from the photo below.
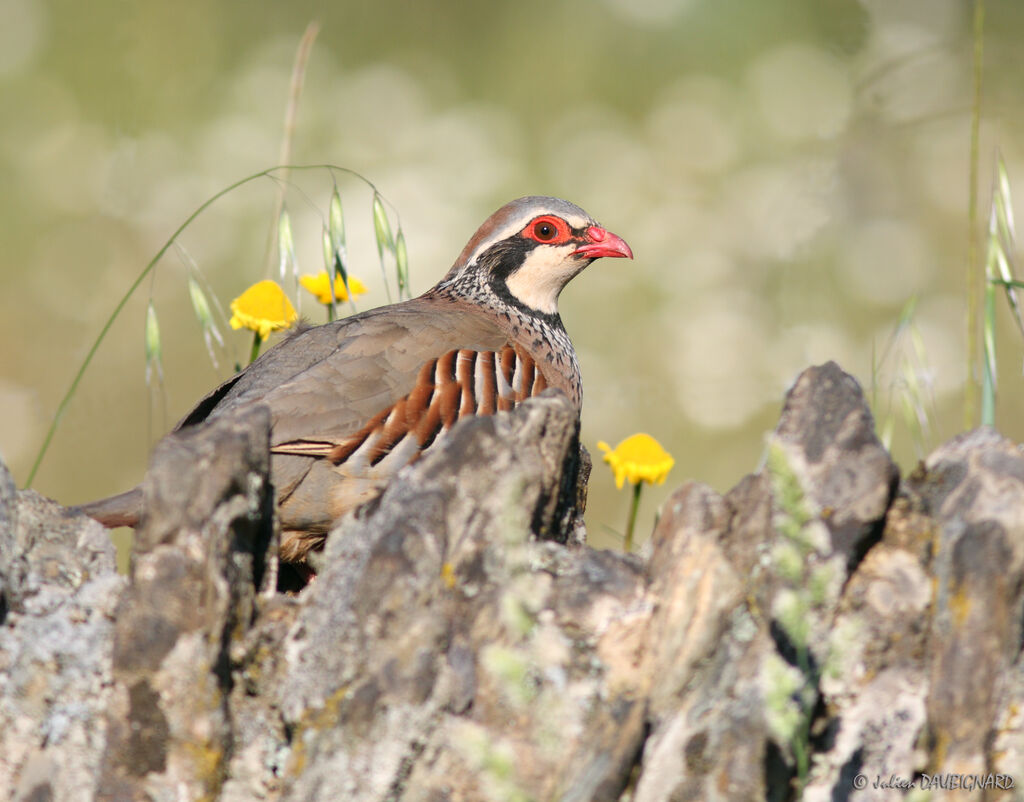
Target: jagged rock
(822, 629)
(201, 556)
(58, 591)
(725, 569)
(829, 437)
(434, 623)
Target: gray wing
(326, 383)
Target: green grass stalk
(988, 385)
(973, 265)
(291, 114)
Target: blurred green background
(789, 174)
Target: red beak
(603, 243)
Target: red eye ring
(547, 229)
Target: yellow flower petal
(320, 286)
(639, 458)
(263, 308)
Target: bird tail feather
(124, 509)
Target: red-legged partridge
(353, 401)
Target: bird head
(529, 249)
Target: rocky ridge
(826, 630)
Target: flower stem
(633, 508)
(257, 341)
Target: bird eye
(544, 231)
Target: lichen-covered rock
(58, 591)
(823, 631)
(926, 649)
(201, 556)
(748, 586)
(438, 643)
(829, 438)
(973, 488)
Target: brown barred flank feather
(465, 371)
(304, 448)
(486, 384)
(455, 385)
(503, 376)
(395, 427)
(449, 403)
(342, 452)
(446, 368)
(422, 392)
(526, 379)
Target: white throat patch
(540, 279)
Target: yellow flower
(263, 308)
(320, 286)
(639, 458)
